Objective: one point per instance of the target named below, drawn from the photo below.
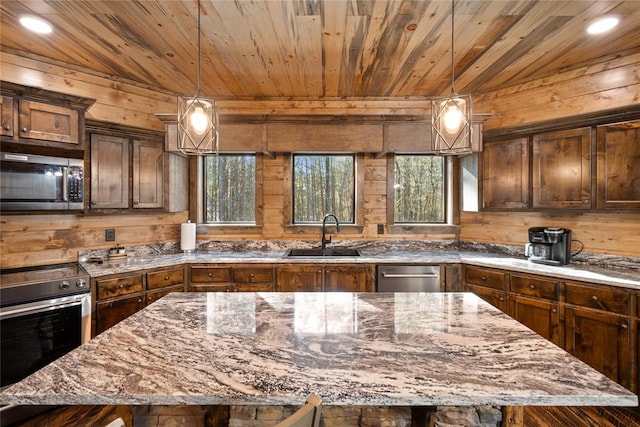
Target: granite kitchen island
(378, 349)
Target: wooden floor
(544, 416)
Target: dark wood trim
(45, 96)
(115, 129)
(630, 112)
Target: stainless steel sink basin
(317, 252)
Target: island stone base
(266, 416)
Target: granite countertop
(396, 254)
(351, 348)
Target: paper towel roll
(188, 236)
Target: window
(322, 184)
(230, 189)
(419, 189)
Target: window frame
(197, 205)
(451, 214)
(357, 227)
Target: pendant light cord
(452, 59)
(198, 88)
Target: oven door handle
(41, 306)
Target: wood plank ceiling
(314, 49)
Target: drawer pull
(624, 325)
(252, 275)
(24, 129)
(210, 274)
(121, 286)
(7, 127)
(166, 277)
(594, 298)
(532, 286)
(484, 277)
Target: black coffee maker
(549, 245)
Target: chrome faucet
(324, 240)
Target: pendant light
(451, 116)
(197, 119)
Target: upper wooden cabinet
(33, 115)
(505, 174)
(6, 116)
(618, 165)
(562, 169)
(127, 170)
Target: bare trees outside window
(230, 188)
(419, 189)
(322, 184)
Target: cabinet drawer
(210, 274)
(601, 298)
(109, 288)
(483, 277)
(207, 287)
(253, 275)
(164, 278)
(534, 287)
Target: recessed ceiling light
(35, 24)
(602, 25)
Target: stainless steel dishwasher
(408, 278)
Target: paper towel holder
(188, 237)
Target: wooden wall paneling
(616, 233)
(326, 138)
(117, 101)
(408, 138)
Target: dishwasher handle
(409, 276)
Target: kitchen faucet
(324, 240)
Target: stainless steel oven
(30, 182)
(44, 313)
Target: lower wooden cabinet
(328, 278)
(231, 278)
(488, 284)
(541, 316)
(118, 296)
(602, 340)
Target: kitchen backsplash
(593, 260)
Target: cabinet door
(297, 278)
(108, 313)
(148, 173)
(539, 315)
(618, 166)
(562, 169)
(6, 115)
(496, 298)
(349, 278)
(48, 122)
(602, 340)
(505, 174)
(109, 172)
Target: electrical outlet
(110, 234)
(380, 228)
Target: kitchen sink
(317, 252)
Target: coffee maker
(549, 245)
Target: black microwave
(30, 182)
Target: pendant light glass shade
(451, 116)
(451, 124)
(198, 119)
(197, 125)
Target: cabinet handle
(210, 274)
(24, 129)
(135, 203)
(166, 277)
(121, 286)
(594, 298)
(252, 275)
(139, 299)
(484, 277)
(532, 286)
(7, 127)
(624, 325)
(93, 203)
(553, 310)
(501, 298)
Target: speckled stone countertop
(605, 270)
(352, 349)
